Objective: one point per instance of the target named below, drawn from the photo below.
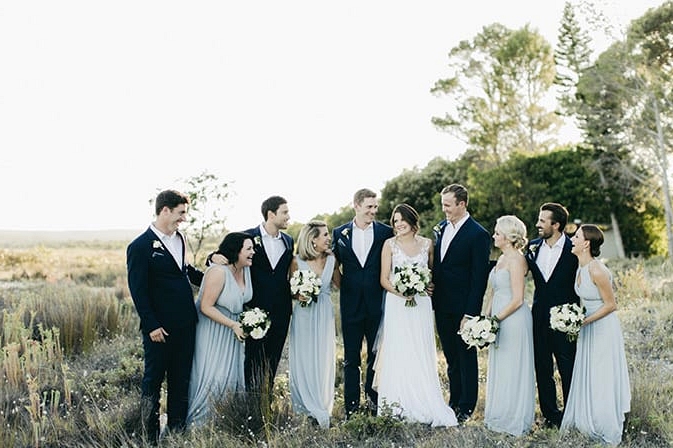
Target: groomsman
(270, 292)
(553, 268)
(159, 282)
(460, 272)
(357, 247)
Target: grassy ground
(72, 364)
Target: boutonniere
(437, 230)
(257, 240)
(345, 231)
(156, 244)
(532, 249)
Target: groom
(459, 273)
(357, 247)
(159, 281)
(553, 268)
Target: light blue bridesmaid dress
(313, 351)
(600, 394)
(510, 381)
(217, 366)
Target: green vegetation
(72, 364)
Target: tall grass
(72, 365)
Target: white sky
(104, 103)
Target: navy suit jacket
(271, 286)
(460, 279)
(160, 289)
(361, 293)
(560, 288)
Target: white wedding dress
(406, 361)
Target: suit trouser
(550, 345)
(263, 356)
(354, 331)
(461, 363)
(171, 359)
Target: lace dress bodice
(400, 258)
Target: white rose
(257, 333)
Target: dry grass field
(72, 364)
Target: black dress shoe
(551, 424)
(462, 417)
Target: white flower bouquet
(567, 318)
(305, 283)
(480, 331)
(255, 322)
(411, 279)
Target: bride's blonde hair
(513, 229)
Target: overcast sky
(104, 103)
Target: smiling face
(546, 228)
(579, 242)
(246, 254)
(323, 241)
(365, 213)
(169, 220)
(281, 217)
(453, 209)
(400, 225)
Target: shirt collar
(461, 222)
(264, 233)
(367, 227)
(161, 234)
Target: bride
(406, 363)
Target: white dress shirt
(274, 246)
(549, 256)
(449, 232)
(363, 239)
(172, 242)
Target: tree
(498, 82)
(207, 196)
(625, 104)
(572, 56)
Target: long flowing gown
(313, 351)
(600, 394)
(406, 362)
(217, 366)
(510, 381)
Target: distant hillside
(13, 238)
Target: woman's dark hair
(409, 215)
(594, 236)
(232, 244)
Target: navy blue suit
(460, 282)
(163, 297)
(270, 292)
(361, 300)
(559, 289)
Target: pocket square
(157, 254)
(341, 243)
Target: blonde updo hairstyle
(513, 229)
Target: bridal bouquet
(305, 283)
(567, 318)
(411, 279)
(255, 322)
(480, 331)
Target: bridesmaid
(510, 382)
(217, 366)
(599, 390)
(312, 329)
